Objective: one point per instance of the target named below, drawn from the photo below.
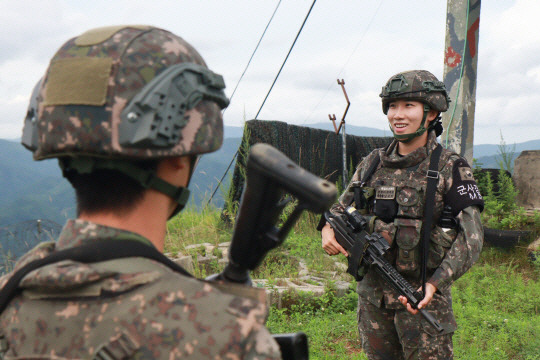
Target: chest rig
(408, 198)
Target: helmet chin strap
(146, 178)
(181, 204)
(405, 138)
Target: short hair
(106, 190)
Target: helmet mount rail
(155, 116)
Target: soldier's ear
(432, 115)
(169, 168)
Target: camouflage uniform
(126, 308)
(111, 98)
(387, 329)
(394, 199)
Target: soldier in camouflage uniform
(393, 199)
(127, 110)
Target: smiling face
(405, 117)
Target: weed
(496, 303)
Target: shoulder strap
(372, 168)
(100, 250)
(432, 179)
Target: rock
(186, 262)
(533, 251)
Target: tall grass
(496, 303)
(196, 226)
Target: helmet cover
(126, 92)
(417, 85)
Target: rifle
(270, 175)
(368, 250)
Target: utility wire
(254, 51)
(245, 69)
(282, 65)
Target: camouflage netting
(318, 151)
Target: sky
(363, 42)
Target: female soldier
(390, 186)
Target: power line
(282, 65)
(245, 69)
(254, 51)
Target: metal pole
(460, 70)
(343, 134)
(345, 172)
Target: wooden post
(460, 69)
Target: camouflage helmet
(118, 94)
(126, 92)
(418, 85)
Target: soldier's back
(130, 308)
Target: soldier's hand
(430, 290)
(386, 235)
(329, 242)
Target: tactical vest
(105, 256)
(398, 195)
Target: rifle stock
(269, 176)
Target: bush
(500, 208)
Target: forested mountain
(36, 190)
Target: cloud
(363, 43)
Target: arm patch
(464, 191)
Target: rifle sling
(372, 167)
(432, 179)
(97, 251)
(357, 193)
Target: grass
(496, 303)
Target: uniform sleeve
(464, 251)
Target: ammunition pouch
(408, 237)
(408, 240)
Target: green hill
(31, 190)
(36, 189)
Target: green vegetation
(496, 303)
(501, 210)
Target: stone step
(275, 289)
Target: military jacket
(403, 181)
(126, 308)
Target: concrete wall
(527, 179)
